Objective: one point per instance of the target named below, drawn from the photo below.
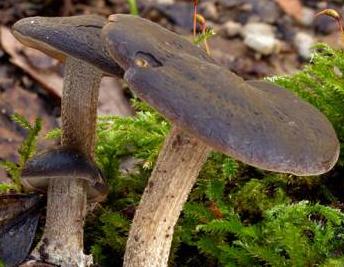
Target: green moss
(300, 234)
(256, 196)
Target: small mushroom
(63, 163)
(76, 41)
(211, 108)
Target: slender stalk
(172, 179)
(133, 7)
(62, 241)
(203, 23)
(195, 2)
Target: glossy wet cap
(77, 36)
(255, 122)
(63, 163)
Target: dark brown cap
(77, 36)
(258, 123)
(152, 40)
(63, 163)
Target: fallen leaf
(11, 205)
(3, 176)
(226, 52)
(29, 105)
(334, 39)
(112, 100)
(291, 7)
(179, 13)
(9, 141)
(40, 61)
(49, 80)
(18, 229)
(43, 69)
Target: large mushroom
(255, 122)
(76, 41)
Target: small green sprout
(207, 32)
(133, 7)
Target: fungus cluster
(210, 107)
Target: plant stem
(62, 241)
(195, 17)
(172, 179)
(133, 7)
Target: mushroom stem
(172, 179)
(62, 241)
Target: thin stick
(194, 18)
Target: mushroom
(76, 41)
(63, 163)
(210, 107)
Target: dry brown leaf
(40, 61)
(42, 68)
(112, 100)
(49, 80)
(334, 39)
(27, 104)
(9, 142)
(291, 7)
(3, 176)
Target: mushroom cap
(255, 122)
(59, 37)
(63, 163)
(128, 36)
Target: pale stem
(172, 179)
